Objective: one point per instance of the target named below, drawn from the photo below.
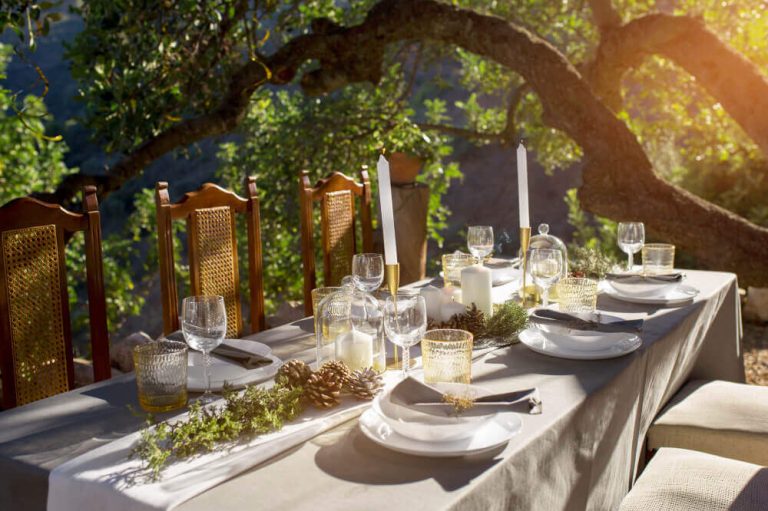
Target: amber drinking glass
(161, 375)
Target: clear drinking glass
(447, 356)
(204, 324)
(405, 321)
(480, 240)
(546, 266)
(630, 236)
(368, 271)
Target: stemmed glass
(631, 236)
(405, 322)
(368, 271)
(480, 241)
(204, 325)
(546, 267)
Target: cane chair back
(336, 195)
(210, 214)
(36, 346)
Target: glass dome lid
(546, 240)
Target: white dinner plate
(490, 435)
(678, 296)
(624, 344)
(415, 424)
(225, 370)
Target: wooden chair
(336, 193)
(213, 266)
(36, 341)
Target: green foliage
(508, 320)
(286, 132)
(254, 411)
(590, 262)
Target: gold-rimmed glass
(452, 266)
(447, 356)
(577, 294)
(658, 258)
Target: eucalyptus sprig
(252, 412)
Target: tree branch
(604, 15)
(729, 77)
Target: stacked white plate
(562, 342)
(408, 430)
(224, 370)
(650, 292)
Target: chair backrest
(336, 195)
(36, 343)
(212, 247)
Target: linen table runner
(106, 479)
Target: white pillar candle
(355, 349)
(451, 294)
(387, 212)
(450, 309)
(522, 185)
(434, 299)
(476, 285)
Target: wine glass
(546, 267)
(480, 240)
(368, 271)
(405, 322)
(204, 325)
(631, 237)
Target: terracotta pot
(403, 168)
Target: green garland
(252, 412)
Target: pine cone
(339, 368)
(323, 388)
(293, 373)
(474, 321)
(364, 384)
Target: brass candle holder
(527, 293)
(392, 274)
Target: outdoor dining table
(582, 452)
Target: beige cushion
(677, 479)
(718, 417)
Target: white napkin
(106, 479)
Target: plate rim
(249, 376)
(694, 292)
(427, 449)
(579, 355)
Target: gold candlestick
(527, 295)
(392, 273)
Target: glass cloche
(350, 328)
(546, 240)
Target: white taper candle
(522, 185)
(387, 212)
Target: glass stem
(406, 361)
(545, 296)
(207, 364)
(630, 261)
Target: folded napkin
(245, 358)
(425, 398)
(551, 317)
(635, 278)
